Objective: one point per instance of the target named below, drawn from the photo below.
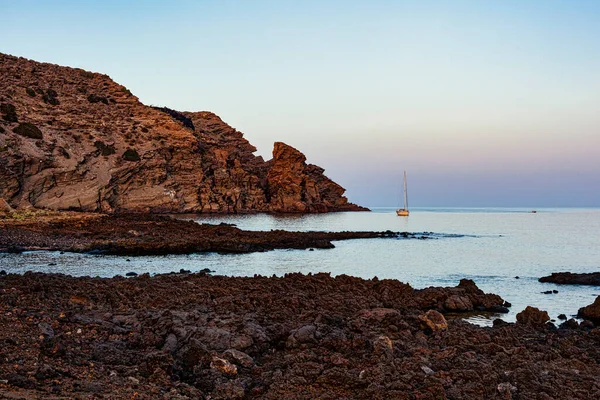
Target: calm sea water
(491, 246)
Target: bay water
(504, 250)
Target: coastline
(148, 234)
(295, 337)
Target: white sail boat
(403, 212)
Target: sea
(504, 250)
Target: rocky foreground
(76, 140)
(191, 336)
(145, 234)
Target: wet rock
(570, 324)
(433, 320)
(591, 312)
(131, 273)
(532, 316)
(562, 317)
(587, 324)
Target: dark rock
(9, 112)
(562, 317)
(104, 149)
(587, 324)
(50, 97)
(21, 381)
(28, 130)
(532, 316)
(15, 249)
(186, 121)
(30, 92)
(2, 272)
(497, 309)
(92, 98)
(45, 371)
(239, 357)
(591, 312)
(131, 155)
(131, 274)
(568, 278)
(570, 324)
(458, 303)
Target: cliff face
(72, 139)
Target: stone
(591, 312)
(239, 357)
(223, 365)
(458, 303)
(433, 321)
(304, 334)
(532, 316)
(382, 346)
(568, 278)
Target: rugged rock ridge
(72, 139)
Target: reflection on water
(490, 246)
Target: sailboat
(403, 212)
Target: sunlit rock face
(76, 140)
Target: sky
(483, 103)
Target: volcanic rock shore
(146, 234)
(75, 140)
(192, 336)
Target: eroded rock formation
(72, 139)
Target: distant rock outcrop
(75, 140)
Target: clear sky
(484, 103)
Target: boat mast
(405, 196)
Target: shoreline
(294, 337)
(148, 234)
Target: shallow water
(490, 246)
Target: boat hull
(402, 213)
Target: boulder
(532, 316)
(458, 303)
(591, 312)
(433, 321)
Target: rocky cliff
(72, 139)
